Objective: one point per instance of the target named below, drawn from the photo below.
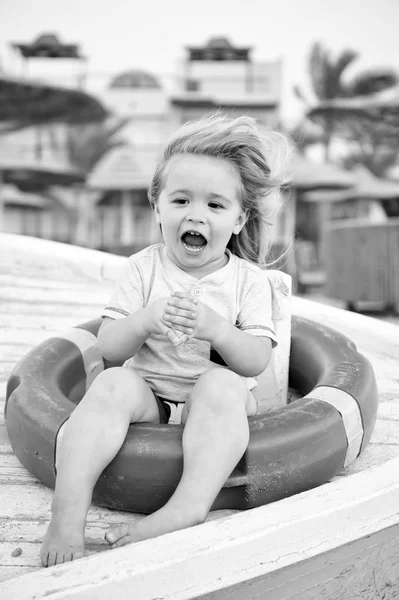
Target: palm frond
(88, 144)
(335, 86)
(298, 93)
(319, 61)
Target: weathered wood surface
(46, 288)
(338, 541)
(362, 261)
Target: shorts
(169, 412)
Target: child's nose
(197, 215)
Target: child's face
(201, 195)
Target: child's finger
(180, 312)
(170, 333)
(183, 303)
(183, 325)
(173, 320)
(176, 335)
(182, 329)
(182, 340)
(177, 338)
(185, 296)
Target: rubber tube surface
(291, 449)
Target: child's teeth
(193, 248)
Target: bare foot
(165, 520)
(63, 542)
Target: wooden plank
(373, 456)
(93, 297)
(30, 552)
(5, 445)
(251, 546)
(12, 471)
(14, 324)
(27, 337)
(386, 432)
(32, 501)
(47, 259)
(9, 572)
(51, 309)
(14, 352)
(33, 531)
(388, 410)
(28, 282)
(365, 569)
(6, 368)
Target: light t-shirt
(239, 291)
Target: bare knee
(112, 381)
(118, 388)
(222, 389)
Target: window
(192, 85)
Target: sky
(152, 34)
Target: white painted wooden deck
(42, 294)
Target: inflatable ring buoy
(291, 449)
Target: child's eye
(215, 205)
(180, 201)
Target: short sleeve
(255, 316)
(127, 296)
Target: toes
(52, 558)
(116, 534)
(44, 559)
(49, 559)
(122, 542)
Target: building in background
(215, 76)
(219, 75)
(140, 97)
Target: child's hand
(155, 323)
(184, 313)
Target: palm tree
(86, 145)
(373, 150)
(326, 76)
(305, 134)
(373, 81)
(326, 79)
(370, 130)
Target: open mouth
(193, 241)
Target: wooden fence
(362, 261)
(104, 230)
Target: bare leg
(217, 434)
(92, 437)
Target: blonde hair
(259, 156)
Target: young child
(191, 318)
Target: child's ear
(156, 212)
(242, 219)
